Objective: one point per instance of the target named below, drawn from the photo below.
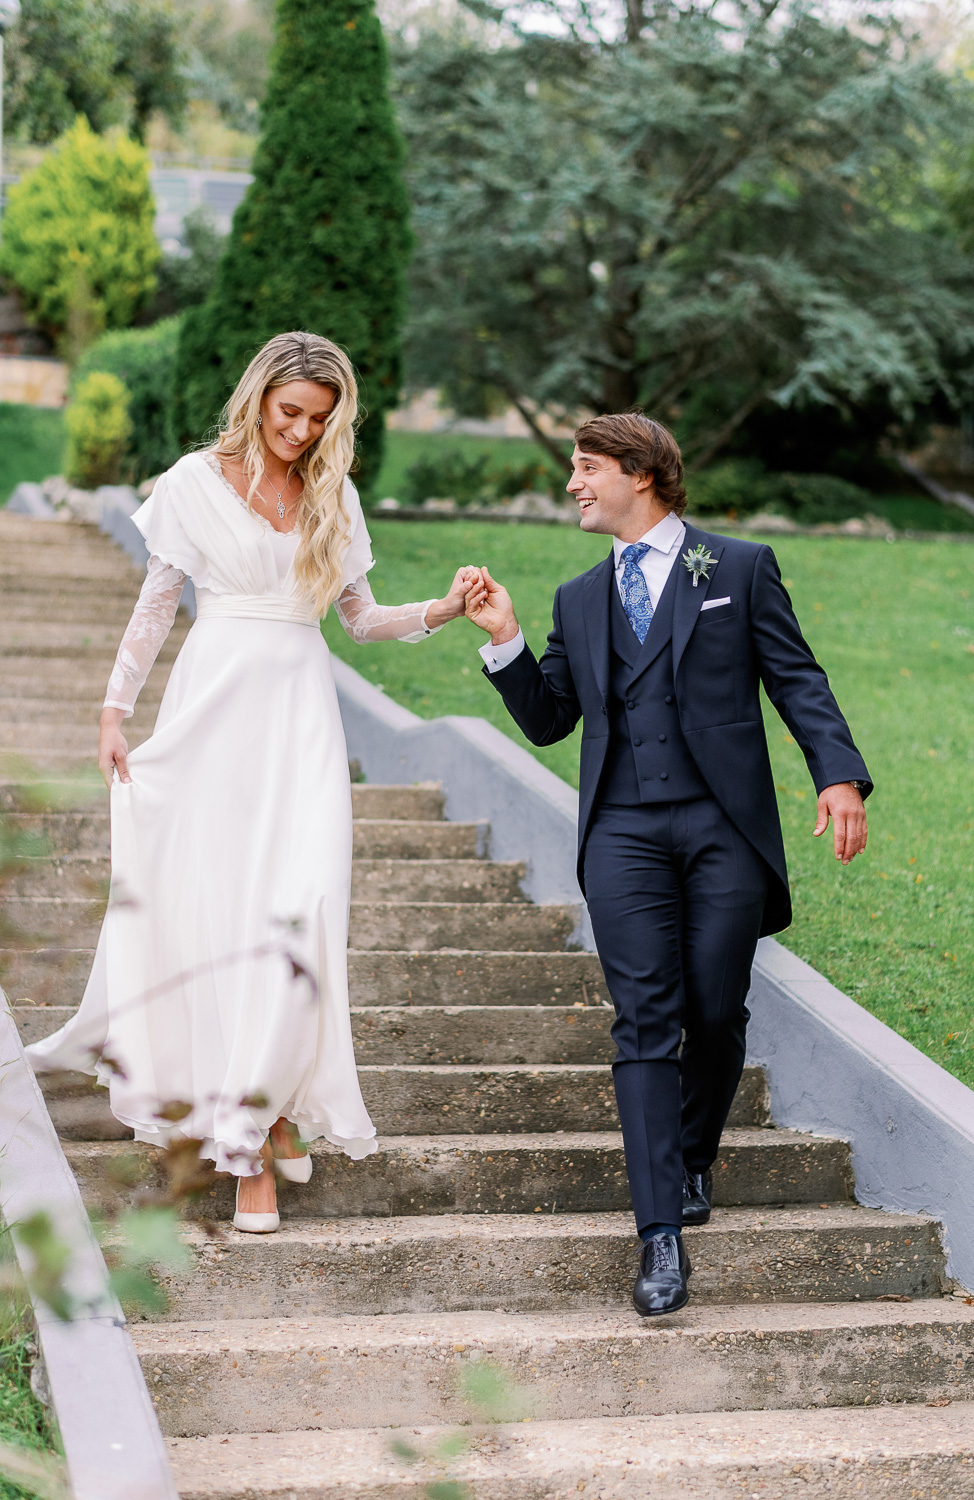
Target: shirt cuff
(114, 703)
(496, 657)
(425, 630)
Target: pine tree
(321, 240)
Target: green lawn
(24, 1422)
(31, 444)
(894, 625)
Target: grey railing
(113, 1447)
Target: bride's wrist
(441, 612)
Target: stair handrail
(113, 1446)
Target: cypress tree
(321, 240)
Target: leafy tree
(78, 235)
(321, 239)
(148, 61)
(99, 427)
(113, 61)
(718, 210)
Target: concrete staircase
(491, 1232)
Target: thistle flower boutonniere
(699, 562)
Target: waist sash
(255, 607)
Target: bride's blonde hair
(322, 519)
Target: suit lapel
(687, 599)
(595, 616)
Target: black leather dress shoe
(661, 1286)
(698, 1189)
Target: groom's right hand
(489, 606)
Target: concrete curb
(832, 1067)
(112, 1443)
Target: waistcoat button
(668, 698)
(629, 703)
(637, 742)
(664, 775)
(662, 739)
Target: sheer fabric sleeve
(364, 620)
(151, 622)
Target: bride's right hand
(112, 746)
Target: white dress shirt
(664, 541)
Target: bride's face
(293, 417)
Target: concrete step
(454, 1034)
(85, 688)
(476, 978)
(422, 802)
(412, 1100)
(375, 838)
(44, 744)
(62, 532)
(563, 1172)
(69, 639)
(49, 717)
(391, 838)
(57, 975)
(84, 562)
(550, 1263)
(245, 1375)
(439, 880)
(424, 925)
(424, 1099)
(899, 1453)
(453, 880)
(23, 791)
(75, 922)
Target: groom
(661, 650)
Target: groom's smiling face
(610, 501)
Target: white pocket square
(713, 603)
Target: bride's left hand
(454, 602)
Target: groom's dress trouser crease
(676, 896)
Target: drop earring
(260, 419)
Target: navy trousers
(676, 896)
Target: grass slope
(24, 1423)
(894, 626)
(31, 444)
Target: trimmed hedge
(144, 360)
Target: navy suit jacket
(720, 659)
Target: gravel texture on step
(897, 1453)
(475, 977)
(550, 1262)
(422, 801)
(272, 1375)
(401, 838)
(425, 925)
(546, 1173)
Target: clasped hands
(489, 606)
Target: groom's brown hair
(641, 446)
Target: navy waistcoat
(652, 763)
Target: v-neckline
(213, 464)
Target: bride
(217, 1007)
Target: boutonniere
(699, 562)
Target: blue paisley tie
(635, 595)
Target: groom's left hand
(844, 805)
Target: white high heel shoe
(294, 1168)
(255, 1223)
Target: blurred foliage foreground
(893, 624)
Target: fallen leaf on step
(894, 1297)
(941, 1401)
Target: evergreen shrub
(742, 487)
(143, 359)
(78, 238)
(321, 240)
(477, 479)
(99, 427)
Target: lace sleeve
(151, 622)
(364, 620)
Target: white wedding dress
(220, 977)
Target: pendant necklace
(281, 507)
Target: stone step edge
(471, 1333)
(655, 1458)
